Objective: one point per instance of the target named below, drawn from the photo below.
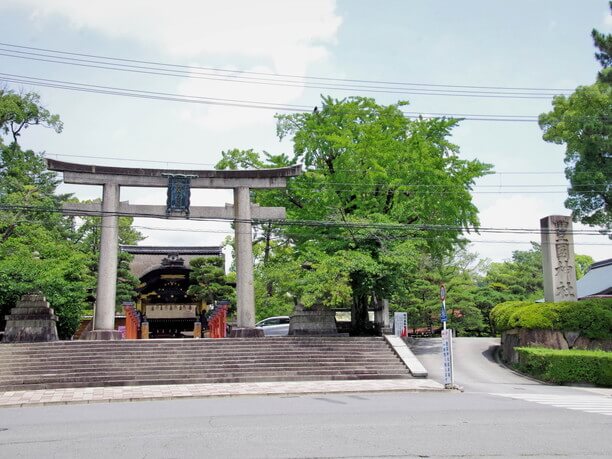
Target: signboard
(447, 356)
(400, 324)
(179, 194)
(443, 317)
(171, 311)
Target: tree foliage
(208, 281)
(603, 43)
(20, 111)
(379, 191)
(40, 248)
(583, 122)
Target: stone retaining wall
(553, 339)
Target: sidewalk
(169, 392)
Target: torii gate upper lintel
(113, 178)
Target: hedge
(592, 318)
(566, 366)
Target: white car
(275, 326)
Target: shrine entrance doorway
(162, 300)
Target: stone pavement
(167, 392)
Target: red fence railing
(132, 322)
(218, 321)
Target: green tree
(379, 190)
(583, 262)
(34, 259)
(603, 42)
(520, 278)
(208, 281)
(20, 111)
(582, 122)
(459, 272)
(40, 248)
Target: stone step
(161, 350)
(200, 358)
(192, 343)
(102, 376)
(51, 377)
(98, 363)
(196, 353)
(191, 355)
(203, 380)
(200, 368)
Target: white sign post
(447, 343)
(400, 324)
(447, 354)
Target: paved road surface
(477, 369)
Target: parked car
(275, 326)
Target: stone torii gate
(178, 182)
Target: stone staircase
(64, 364)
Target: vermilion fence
(218, 321)
(132, 322)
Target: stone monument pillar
(558, 261)
(381, 313)
(30, 321)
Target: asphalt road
(476, 368)
(474, 423)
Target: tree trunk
(359, 316)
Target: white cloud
(283, 31)
(225, 118)
(284, 37)
(521, 211)
(608, 20)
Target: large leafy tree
(36, 253)
(20, 111)
(378, 191)
(603, 43)
(40, 248)
(583, 122)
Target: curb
(14, 399)
(402, 350)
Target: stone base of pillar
(103, 335)
(144, 330)
(246, 333)
(197, 330)
(315, 321)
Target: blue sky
(543, 44)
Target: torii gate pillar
(104, 317)
(245, 291)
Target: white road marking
(599, 404)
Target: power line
(471, 241)
(284, 83)
(163, 96)
(309, 223)
(241, 73)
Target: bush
(592, 318)
(566, 366)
